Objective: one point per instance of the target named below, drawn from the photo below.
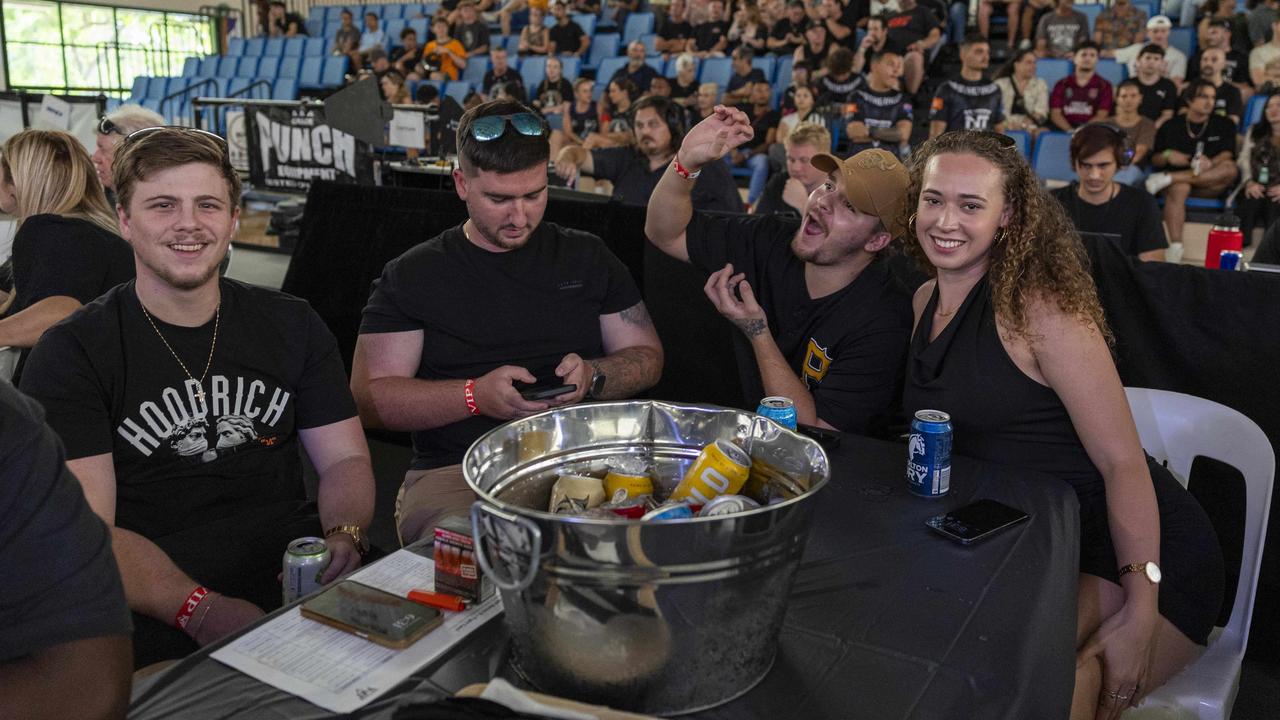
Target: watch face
(1153, 572)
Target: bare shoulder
(921, 297)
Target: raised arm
(671, 205)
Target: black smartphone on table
(373, 614)
(976, 521)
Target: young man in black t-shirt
(915, 31)
(788, 33)
(567, 36)
(1194, 155)
(969, 102)
(1159, 94)
(455, 322)
(677, 31)
(826, 324)
(64, 632)
(710, 37)
(500, 71)
(743, 79)
(183, 398)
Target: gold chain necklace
(217, 313)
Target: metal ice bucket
(661, 617)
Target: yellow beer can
(720, 469)
(627, 474)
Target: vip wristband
(469, 394)
(188, 607)
(683, 171)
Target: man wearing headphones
(827, 325)
(1104, 208)
(658, 126)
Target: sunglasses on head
(106, 127)
(492, 127)
(1004, 141)
(172, 128)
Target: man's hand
(223, 616)
(573, 370)
(746, 314)
(713, 138)
(794, 194)
(1273, 193)
(344, 557)
(1255, 190)
(497, 398)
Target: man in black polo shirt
(500, 71)
(915, 31)
(567, 37)
(880, 113)
(969, 102)
(677, 31)
(744, 78)
(788, 33)
(827, 325)
(710, 37)
(634, 171)
(1194, 155)
(639, 72)
(455, 322)
(1159, 94)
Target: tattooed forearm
(751, 327)
(629, 370)
(636, 315)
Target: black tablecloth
(886, 619)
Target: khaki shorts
(429, 496)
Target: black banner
(290, 147)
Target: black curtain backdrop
(1207, 333)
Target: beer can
(728, 505)
(1229, 259)
(627, 474)
(669, 511)
(574, 493)
(720, 469)
(305, 560)
(929, 454)
(780, 410)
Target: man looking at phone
(182, 399)
(456, 322)
(827, 325)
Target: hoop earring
(1000, 234)
(911, 223)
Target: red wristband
(189, 606)
(683, 171)
(469, 394)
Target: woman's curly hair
(1038, 254)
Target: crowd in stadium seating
(865, 69)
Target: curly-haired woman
(1011, 340)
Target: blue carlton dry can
(929, 454)
(1230, 260)
(780, 410)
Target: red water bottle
(1225, 235)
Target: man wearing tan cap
(827, 325)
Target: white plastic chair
(1176, 428)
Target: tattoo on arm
(751, 327)
(629, 371)
(636, 315)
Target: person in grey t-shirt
(1060, 31)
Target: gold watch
(354, 532)
(1149, 570)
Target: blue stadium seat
(227, 66)
(331, 29)
(208, 66)
(1090, 11)
(457, 90)
(284, 89)
(532, 71)
(235, 46)
(1150, 7)
(158, 87)
(586, 21)
(1052, 159)
(247, 67)
(1253, 112)
(430, 9)
(572, 67)
(1183, 38)
(1022, 139)
(320, 13)
(269, 67)
(239, 84)
(421, 26)
(288, 67)
(638, 24)
(1112, 71)
(335, 71)
(513, 45)
(475, 70)
(393, 29)
(139, 90)
(608, 67)
(254, 46)
(672, 70)
(716, 70)
(190, 67)
(766, 65)
(274, 46)
(314, 46)
(1051, 70)
(309, 72)
(293, 46)
(782, 76)
(315, 27)
(650, 42)
(656, 62)
(604, 45)
(392, 12)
